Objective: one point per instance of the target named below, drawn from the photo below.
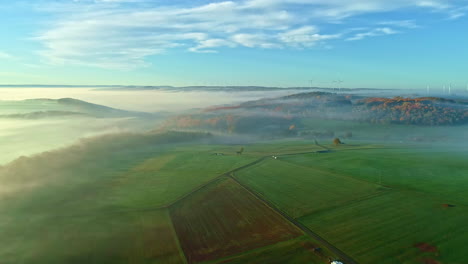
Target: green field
(441, 173)
(157, 182)
(102, 238)
(386, 229)
(106, 200)
(298, 250)
(108, 178)
(375, 204)
(393, 133)
(167, 198)
(300, 190)
(224, 219)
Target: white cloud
(116, 34)
(306, 36)
(374, 33)
(205, 46)
(255, 41)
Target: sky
(403, 44)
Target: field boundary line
(177, 240)
(347, 259)
(204, 185)
(351, 202)
(337, 174)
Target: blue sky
(346, 43)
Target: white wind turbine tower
(338, 82)
(450, 88)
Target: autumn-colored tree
(336, 141)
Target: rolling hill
(45, 108)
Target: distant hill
(45, 108)
(415, 111)
(203, 88)
(284, 114)
(43, 114)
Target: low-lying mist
(21, 137)
(32, 126)
(140, 99)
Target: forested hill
(416, 111)
(279, 115)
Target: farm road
(347, 259)
(343, 256)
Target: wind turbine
(338, 83)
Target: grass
(299, 190)
(368, 132)
(96, 202)
(107, 238)
(386, 228)
(159, 181)
(440, 173)
(85, 180)
(338, 195)
(87, 203)
(224, 219)
(106, 201)
(265, 148)
(299, 250)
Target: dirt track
(345, 258)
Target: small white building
(336, 262)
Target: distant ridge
(186, 88)
(45, 107)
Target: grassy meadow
(168, 198)
(376, 204)
(300, 190)
(129, 237)
(224, 219)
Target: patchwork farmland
(223, 219)
(377, 205)
(205, 204)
